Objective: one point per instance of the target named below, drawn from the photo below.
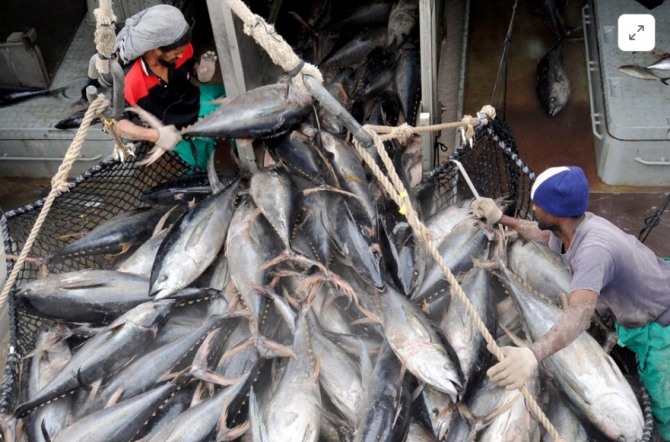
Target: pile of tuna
(297, 304)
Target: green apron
(651, 343)
(196, 151)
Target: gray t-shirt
(633, 283)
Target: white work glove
(515, 369)
(206, 67)
(486, 208)
(168, 138)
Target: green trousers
(651, 343)
(196, 151)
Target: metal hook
(467, 178)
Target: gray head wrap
(152, 28)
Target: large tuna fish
(91, 296)
(267, 111)
(419, 345)
(587, 376)
(193, 243)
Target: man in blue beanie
(612, 272)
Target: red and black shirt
(175, 102)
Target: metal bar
(227, 47)
(335, 108)
(466, 177)
(661, 162)
(430, 110)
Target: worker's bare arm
(575, 319)
(132, 131)
(528, 229)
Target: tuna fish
(192, 244)
(551, 81)
(584, 373)
(267, 111)
(92, 296)
(419, 345)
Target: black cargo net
(104, 191)
(493, 166)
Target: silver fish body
(276, 196)
(89, 296)
(419, 345)
(587, 376)
(293, 411)
(642, 73)
(662, 65)
(46, 422)
(114, 235)
(193, 243)
(266, 111)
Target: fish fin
(125, 246)
(114, 398)
(515, 339)
(162, 221)
(502, 408)
(226, 434)
(154, 154)
(213, 177)
(76, 235)
(268, 348)
(418, 390)
(45, 431)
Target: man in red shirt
(155, 46)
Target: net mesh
(105, 190)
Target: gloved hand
(488, 209)
(206, 67)
(515, 369)
(168, 137)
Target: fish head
(619, 417)
(557, 98)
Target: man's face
(170, 57)
(544, 220)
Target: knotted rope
(104, 35)
(279, 51)
(59, 185)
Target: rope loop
(296, 70)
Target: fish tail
(665, 80)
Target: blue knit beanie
(561, 191)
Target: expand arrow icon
(640, 28)
(631, 37)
